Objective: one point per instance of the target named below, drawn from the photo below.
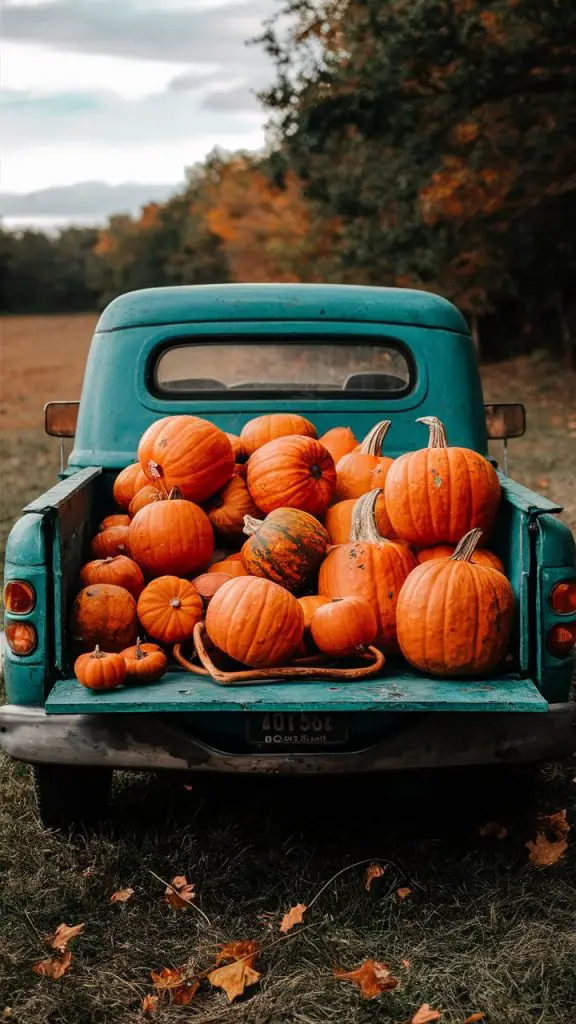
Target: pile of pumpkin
(325, 545)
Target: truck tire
(68, 796)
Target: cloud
(236, 98)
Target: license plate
(277, 729)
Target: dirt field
(481, 931)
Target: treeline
(415, 143)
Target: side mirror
(505, 421)
(60, 418)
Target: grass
(483, 930)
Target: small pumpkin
(169, 608)
(227, 509)
(145, 496)
(124, 486)
(145, 663)
(255, 621)
(118, 519)
(230, 566)
(343, 626)
(100, 670)
(455, 617)
(481, 556)
(365, 468)
(438, 494)
(189, 453)
(110, 542)
(208, 583)
(371, 567)
(339, 441)
(104, 614)
(116, 569)
(309, 604)
(262, 429)
(286, 547)
(292, 472)
(172, 537)
(237, 447)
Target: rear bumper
(150, 742)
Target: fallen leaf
(184, 894)
(292, 917)
(7, 1012)
(371, 977)
(185, 993)
(424, 1015)
(54, 966)
(62, 936)
(168, 979)
(474, 1017)
(406, 964)
(372, 871)
(150, 1003)
(556, 824)
(121, 895)
(543, 853)
(244, 949)
(234, 978)
(493, 830)
(404, 893)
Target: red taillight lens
(19, 597)
(563, 597)
(561, 639)
(21, 638)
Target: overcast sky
(126, 90)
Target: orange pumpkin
(481, 556)
(259, 431)
(208, 583)
(169, 608)
(338, 521)
(365, 468)
(145, 496)
(227, 509)
(437, 494)
(231, 566)
(104, 614)
(339, 442)
(125, 485)
(455, 617)
(100, 670)
(118, 570)
(237, 447)
(255, 621)
(309, 604)
(292, 472)
(110, 542)
(286, 547)
(145, 663)
(369, 567)
(171, 537)
(147, 441)
(118, 519)
(343, 626)
(188, 453)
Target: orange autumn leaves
(233, 972)
(55, 967)
(551, 840)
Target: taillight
(19, 597)
(21, 638)
(563, 597)
(561, 639)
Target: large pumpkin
(437, 494)
(339, 441)
(455, 617)
(286, 547)
(103, 614)
(292, 472)
(481, 556)
(188, 453)
(118, 570)
(169, 608)
(370, 567)
(338, 519)
(256, 622)
(365, 468)
(227, 509)
(172, 537)
(262, 429)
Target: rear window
(330, 365)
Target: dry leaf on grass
(493, 830)
(372, 871)
(244, 949)
(474, 1018)
(62, 936)
(545, 852)
(406, 964)
(425, 1015)
(556, 824)
(371, 977)
(168, 979)
(150, 1004)
(180, 893)
(121, 895)
(53, 967)
(404, 893)
(7, 1012)
(234, 978)
(292, 917)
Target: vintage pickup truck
(227, 353)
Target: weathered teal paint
(403, 690)
(25, 678)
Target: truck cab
(339, 355)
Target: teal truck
(338, 355)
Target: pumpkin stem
(175, 494)
(251, 525)
(316, 472)
(155, 472)
(139, 652)
(364, 527)
(437, 437)
(175, 602)
(97, 653)
(467, 546)
(372, 443)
